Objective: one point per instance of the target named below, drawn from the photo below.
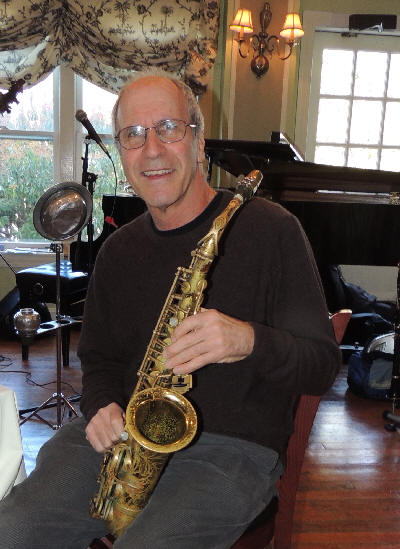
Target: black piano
(350, 215)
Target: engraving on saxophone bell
(159, 419)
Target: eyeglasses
(168, 131)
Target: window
(42, 144)
(26, 159)
(355, 88)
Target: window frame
(314, 21)
(67, 137)
(332, 41)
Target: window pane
(366, 122)
(392, 122)
(370, 73)
(98, 105)
(26, 171)
(394, 76)
(337, 70)
(332, 123)
(34, 110)
(334, 156)
(390, 160)
(362, 158)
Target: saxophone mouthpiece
(247, 186)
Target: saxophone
(159, 420)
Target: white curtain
(104, 41)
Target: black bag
(370, 316)
(363, 327)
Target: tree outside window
(29, 151)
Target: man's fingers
(208, 337)
(105, 427)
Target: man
(262, 338)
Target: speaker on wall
(363, 21)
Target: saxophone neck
(208, 245)
(245, 189)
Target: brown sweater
(264, 274)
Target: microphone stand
(88, 181)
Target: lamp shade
(292, 28)
(242, 21)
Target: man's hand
(208, 337)
(105, 427)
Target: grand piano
(350, 215)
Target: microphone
(81, 116)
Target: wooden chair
(276, 522)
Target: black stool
(38, 284)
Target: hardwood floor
(34, 381)
(349, 493)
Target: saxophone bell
(161, 420)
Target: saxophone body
(159, 419)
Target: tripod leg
(67, 404)
(35, 412)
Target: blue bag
(370, 374)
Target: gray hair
(195, 114)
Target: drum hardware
(394, 421)
(383, 343)
(60, 213)
(394, 391)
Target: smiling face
(166, 175)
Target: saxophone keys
(185, 287)
(182, 383)
(173, 321)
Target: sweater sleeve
(102, 367)
(295, 350)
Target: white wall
(378, 281)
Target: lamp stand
(58, 398)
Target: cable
(31, 381)
(4, 358)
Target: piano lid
(240, 157)
(287, 177)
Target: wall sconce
(263, 44)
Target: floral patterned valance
(104, 41)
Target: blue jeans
(205, 498)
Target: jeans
(207, 495)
